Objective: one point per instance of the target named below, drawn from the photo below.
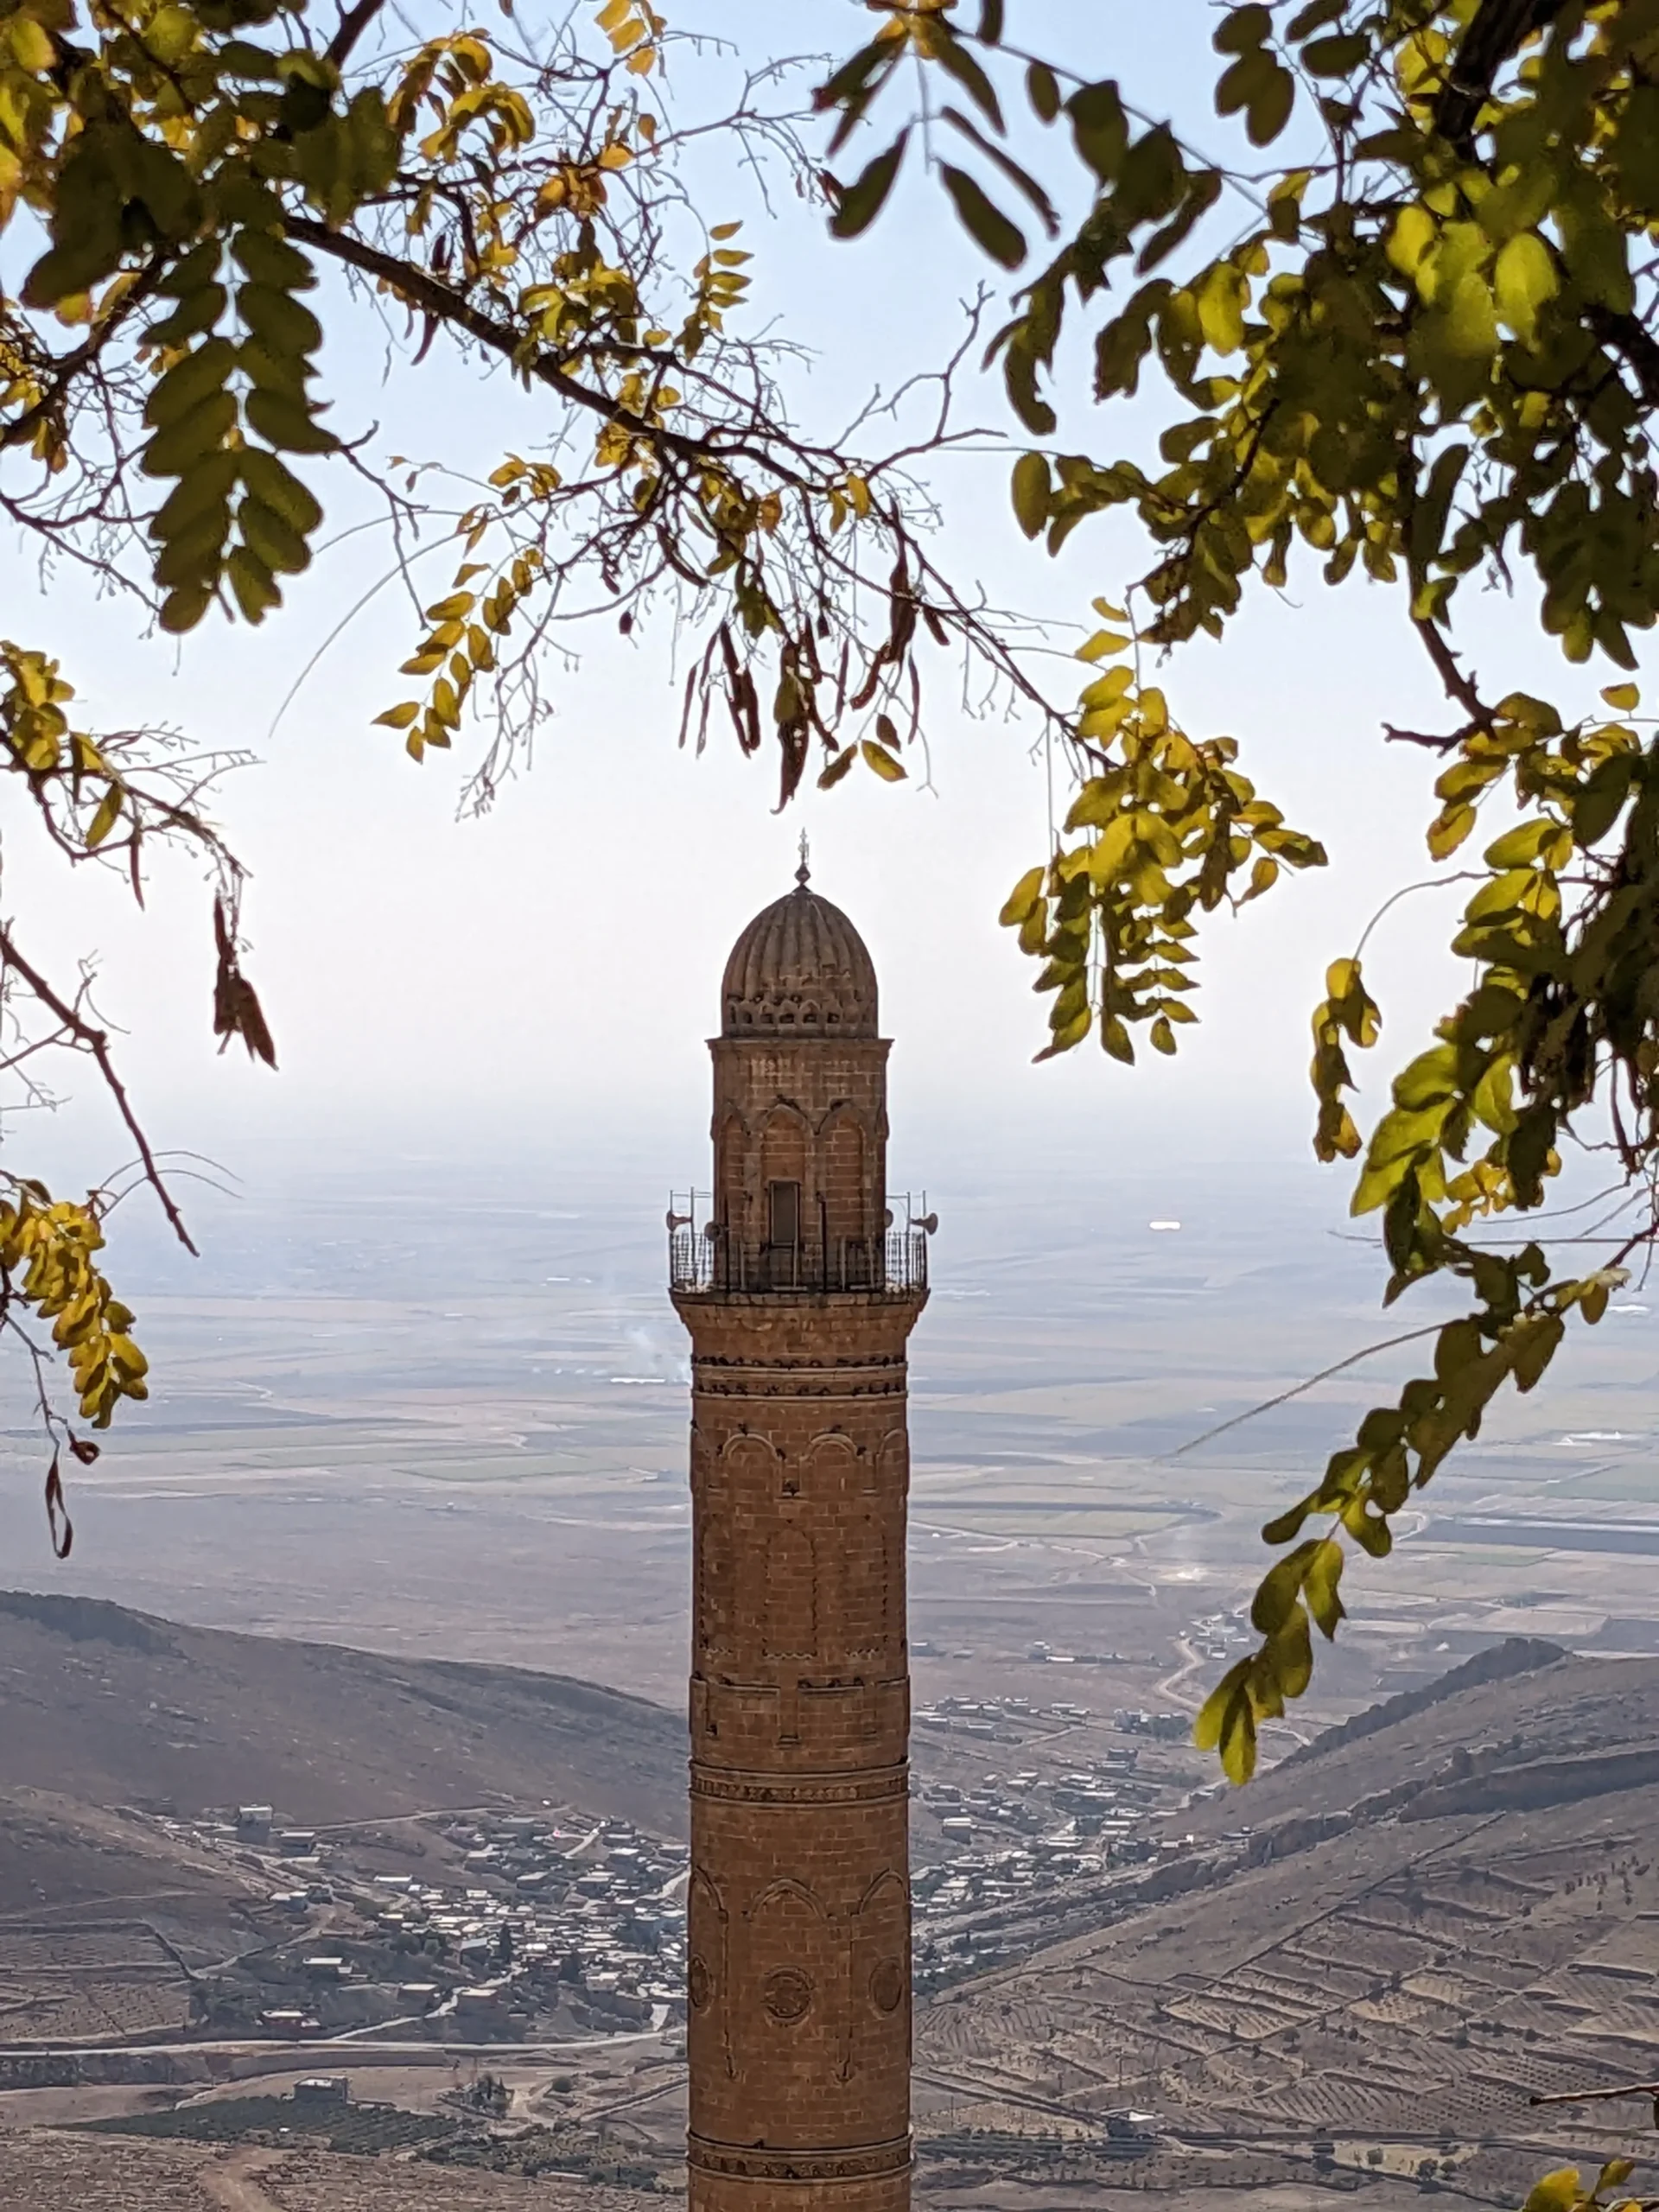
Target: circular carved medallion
(699, 1983)
(788, 1993)
(887, 1986)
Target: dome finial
(803, 874)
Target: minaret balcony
(706, 1259)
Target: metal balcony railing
(704, 1255)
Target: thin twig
(1298, 1389)
(96, 1041)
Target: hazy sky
(553, 970)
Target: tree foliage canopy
(1402, 331)
(1422, 351)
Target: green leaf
(1021, 180)
(253, 584)
(278, 318)
(1242, 29)
(285, 423)
(1280, 1589)
(202, 373)
(200, 310)
(194, 555)
(1031, 493)
(182, 609)
(273, 483)
(954, 58)
(278, 546)
(1336, 56)
(272, 261)
(1284, 1528)
(1043, 91)
(984, 222)
(862, 200)
(1533, 1341)
(1099, 127)
(174, 451)
(1226, 1723)
(1320, 1584)
(1270, 111)
(207, 485)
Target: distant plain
(443, 1414)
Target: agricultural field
(91, 1979)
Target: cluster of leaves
(48, 1252)
(1168, 824)
(463, 640)
(1459, 261)
(49, 1272)
(1424, 348)
(1564, 2191)
(1562, 1016)
(193, 167)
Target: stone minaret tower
(799, 1299)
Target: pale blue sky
(553, 969)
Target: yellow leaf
(1222, 298)
(1623, 698)
(1524, 279)
(398, 717)
(877, 757)
(1414, 232)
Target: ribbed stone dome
(800, 968)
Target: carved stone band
(747, 1789)
(739, 2163)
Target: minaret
(798, 1297)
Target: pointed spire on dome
(803, 874)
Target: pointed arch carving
(709, 1964)
(846, 1154)
(878, 1961)
(791, 1584)
(796, 1968)
(784, 1145)
(734, 1149)
(716, 1580)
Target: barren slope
(113, 1707)
(1394, 1939)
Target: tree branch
(1633, 341)
(97, 1042)
(354, 22)
(1460, 687)
(436, 298)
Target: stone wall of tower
(800, 1903)
(798, 1906)
(814, 1114)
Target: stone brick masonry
(798, 1973)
